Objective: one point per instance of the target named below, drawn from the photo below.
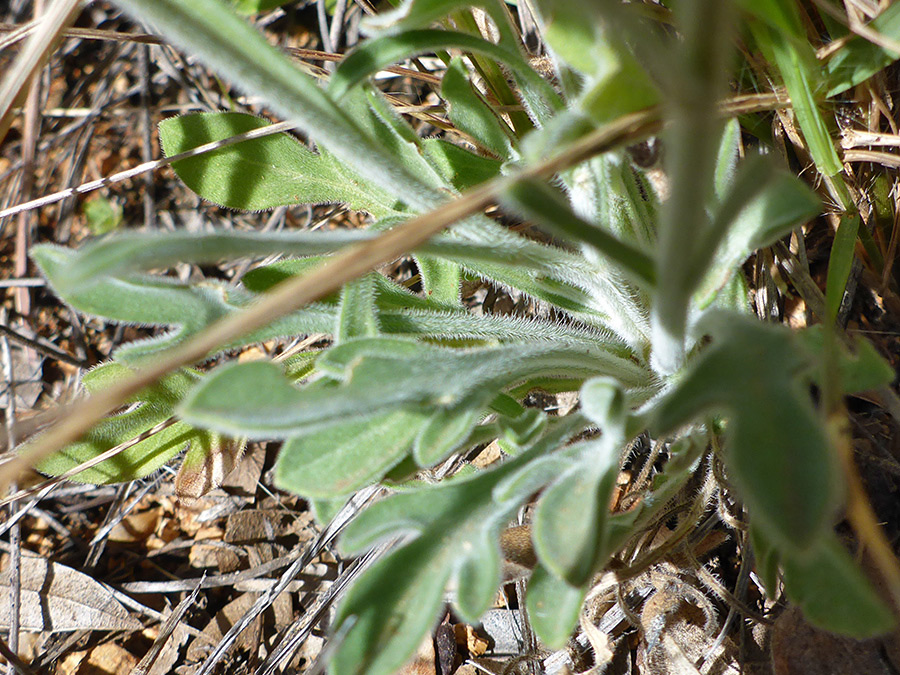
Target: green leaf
(256, 6)
(103, 215)
(358, 314)
(698, 75)
(471, 115)
(796, 61)
(448, 428)
(440, 278)
(265, 277)
(860, 370)
(575, 31)
(553, 607)
(378, 118)
(453, 529)
(569, 522)
(459, 167)
(569, 525)
(766, 558)
(81, 278)
(615, 83)
(778, 14)
(377, 53)
(484, 248)
(261, 173)
(423, 13)
(344, 457)
(613, 195)
(832, 591)
(326, 508)
(164, 301)
(493, 251)
(840, 263)
(604, 404)
(477, 577)
(388, 613)
(521, 430)
(762, 205)
(130, 252)
(236, 50)
(859, 59)
(157, 404)
(727, 158)
(366, 377)
(545, 207)
(776, 451)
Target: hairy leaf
(371, 376)
(547, 208)
(698, 80)
(762, 205)
(358, 314)
(859, 371)
(459, 167)
(570, 519)
(830, 588)
(371, 110)
(493, 251)
(164, 301)
(454, 527)
(156, 404)
(238, 51)
(448, 428)
(477, 576)
(261, 173)
(344, 457)
(777, 451)
(553, 607)
(614, 82)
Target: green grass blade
(840, 262)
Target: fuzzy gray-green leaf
(553, 607)
(570, 519)
(477, 577)
(358, 314)
(834, 594)
(209, 29)
(446, 430)
(344, 457)
(378, 375)
(777, 451)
